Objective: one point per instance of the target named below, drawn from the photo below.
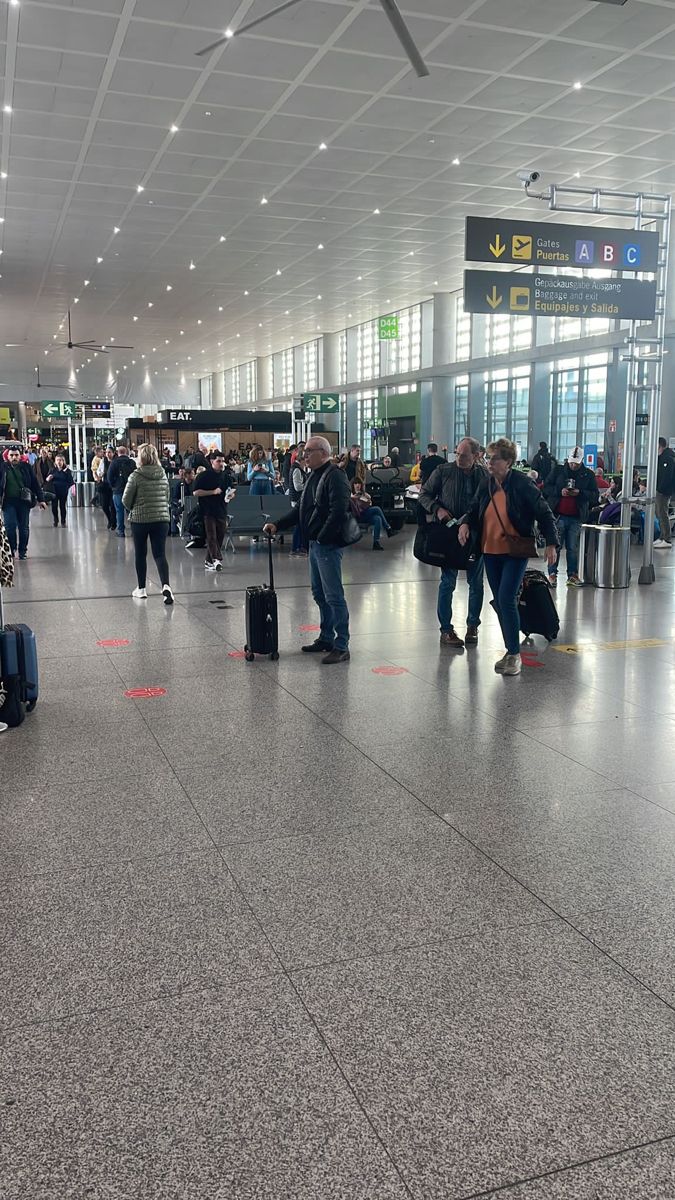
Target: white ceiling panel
(58, 27)
(56, 66)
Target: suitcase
(536, 607)
(262, 625)
(18, 670)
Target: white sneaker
(662, 544)
(167, 594)
(139, 594)
(500, 664)
(218, 564)
(209, 566)
(513, 665)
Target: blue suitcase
(18, 670)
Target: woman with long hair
(146, 499)
(260, 473)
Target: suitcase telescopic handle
(269, 552)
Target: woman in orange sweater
(504, 511)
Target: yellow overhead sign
(521, 247)
(5, 416)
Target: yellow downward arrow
(494, 300)
(497, 247)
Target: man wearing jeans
(665, 487)
(119, 471)
(321, 513)
(447, 494)
(19, 490)
(571, 491)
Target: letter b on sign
(609, 254)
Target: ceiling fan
(91, 344)
(391, 10)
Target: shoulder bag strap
(499, 518)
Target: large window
(405, 352)
(506, 333)
(205, 391)
(310, 366)
(250, 381)
(578, 403)
(287, 371)
(461, 422)
(367, 351)
(366, 411)
(462, 331)
(564, 329)
(343, 357)
(507, 406)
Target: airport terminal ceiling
(301, 178)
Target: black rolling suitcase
(18, 671)
(536, 607)
(262, 625)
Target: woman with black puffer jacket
(146, 499)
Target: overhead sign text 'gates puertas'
(558, 295)
(543, 244)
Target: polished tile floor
(397, 929)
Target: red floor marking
(530, 660)
(114, 642)
(144, 693)
(309, 628)
(390, 671)
(236, 654)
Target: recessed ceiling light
(14, 3)
(286, 312)
(182, 333)
(238, 335)
(169, 287)
(435, 283)
(154, 348)
(259, 324)
(320, 246)
(99, 260)
(207, 112)
(229, 33)
(578, 86)
(220, 308)
(376, 212)
(411, 254)
(140, 188)
(112, 339)
(3, 174)
(455, 162)
(349, 314)
(116, 228)
(7, 108)
(174, 129)
(86, 283)
(323, 146)
(150, 304)
(76, 300)
(223, 238)
(199, 320)
(319, 296)
(192, 266)
(263, 200)
(388, 300)
(359, 278)
(278, 271)
(135, 318)
(246, 293)
(318, 326)
(2, 220)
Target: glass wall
(405, 352)
(250, 382)
(578, 403)
(507, 406)
(461, 423)
(310, 366)
(367, 351)
(505, 334)
(287, 371)
(463, 331)
(366, 411)
(343, 357)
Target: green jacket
(146, 495)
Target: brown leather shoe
(471, 635)
(452, 639)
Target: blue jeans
(297, 543)
(17, 521)
(569, 532)
(119, 509)
(505, 575)
(474, 578)
(325, 576)
(375, 517)
(261, 486)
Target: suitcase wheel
(30, 705)
(274, 656)
(250, 656)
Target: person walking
(665, 488)
(446, 496)
(322, 514)
(571, 491)
(119, 471)
(106, 496)
(43, 466)
(146, 499)
(60, 482)
(212, 489)
(542, 462)
(260, 473)
(503, 512)
(19, 491)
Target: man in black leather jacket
(321, 513)
(446, 495)
(17, 479)
(572, 491)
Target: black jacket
(665, 473)
(321, 522)
(542, 463)
(61, 482)
(119, 471)
(29, 480)
(524, 505)
(584, 480)
(445, 487)
(429, 464)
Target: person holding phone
(572, 491)
(59, 482)
(260, 473)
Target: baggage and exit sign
(321, 402)
(544, 244)
(388, 330)
(558, 295)
(59, 408)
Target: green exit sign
(321, 402)
(388, 328)
(59, 408)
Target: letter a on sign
(583, 253)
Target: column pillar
(436, 410)
(218, 389)
(330, 356)
(261, 380)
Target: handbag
(519, 545)
(438, 545)
(27, 496)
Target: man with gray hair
(446, 495)
(321, 514)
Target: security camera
(528, 177)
